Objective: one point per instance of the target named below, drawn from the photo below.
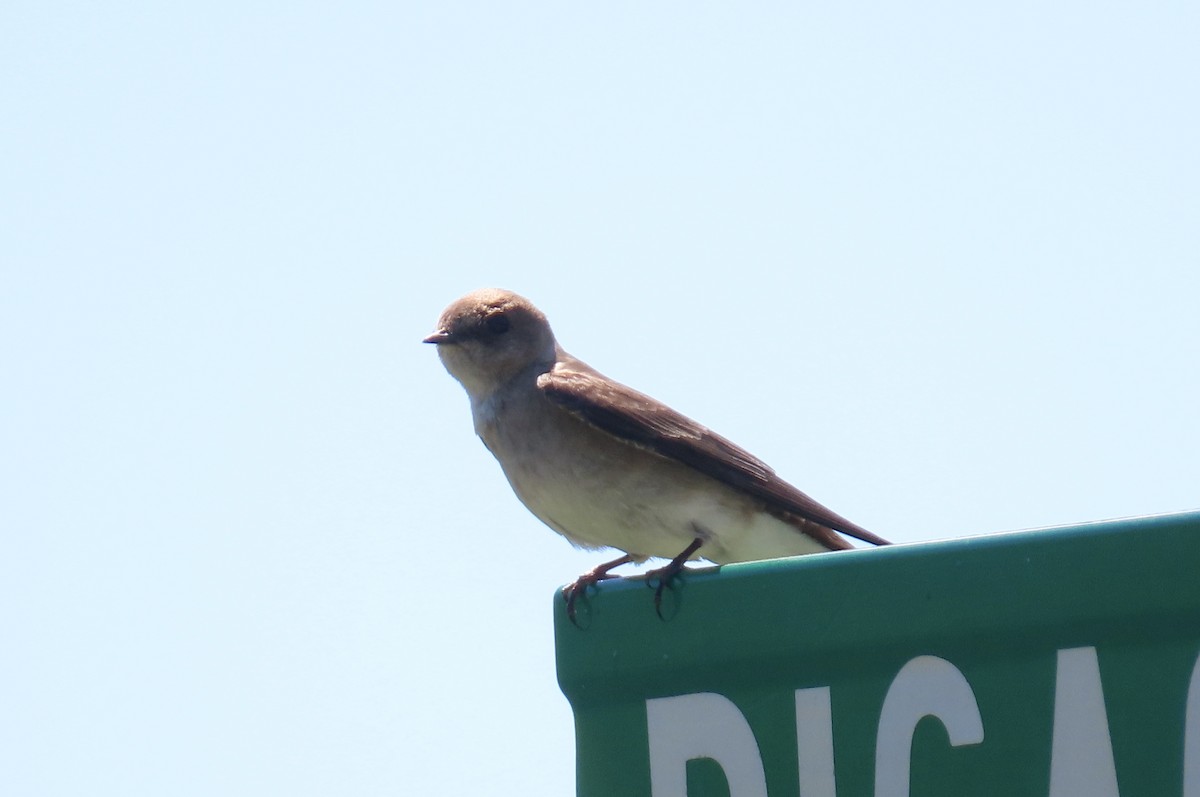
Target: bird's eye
(498, 324)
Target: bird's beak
(441, 336)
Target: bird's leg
(598, 573)
(669, 571)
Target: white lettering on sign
(925, 687)
(814, 742)
(1191, 736)
(708, 725)
(1081, 757)
(703, 725)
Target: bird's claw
(572, 591)
(666, 574)
(579, 586)
(661, 579)
(571, 595)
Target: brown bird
(607, 466)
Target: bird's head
(490, 336)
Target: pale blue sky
(938, 264)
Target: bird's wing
(642, 421)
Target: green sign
(1063, 663)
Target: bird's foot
(666, 574)
(579, 586)
(660, 580)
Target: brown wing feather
(642, 421)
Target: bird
(606, 466)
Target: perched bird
(608, 467)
